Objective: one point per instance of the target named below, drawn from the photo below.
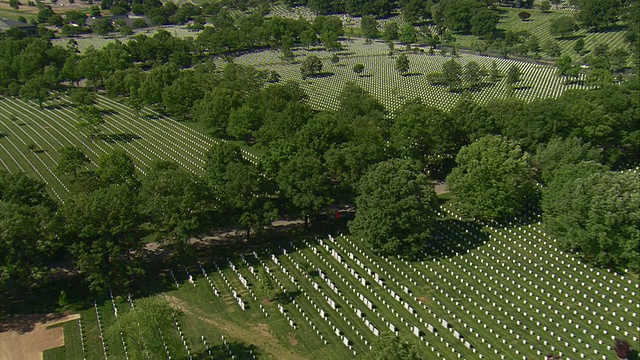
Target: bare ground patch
(31, 338)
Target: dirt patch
(423, 299)
(441, 187)
(292, 339)
(28, 345)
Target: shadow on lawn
(59, 106)
(454, 237)
(240, 351)
(122, 137)
(286, 297)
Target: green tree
(552, 48)
(102, 26)
(596, 216)
(452, 74)
(147, 329)
(243, 122)
(175, 202)
(308, 37)
(391, 30)
(513, 75)
(493, 179)
(116, 168)
(27, 241)
(20, 189)
(157, 79)
(408, 34)
(28, 231)
(563, 26)
(311, 65)
(578, 46)
(598, 13)
(214, 108)
(545, 6)
(391, 347)
(91, 118)
(426, 134)
(71, 160)
(369, 27)
(358, 68)
(394, 208)
(483, 23)
(179, 97)
(402, 64)
(473, 74)
(91, 66)
(494, 72)
(82, 97)
(304, 181)
(265, 283)
(218, 158)
(249, 197)
(566, 68)
(103, 227)
(559, 152)
(36, 88)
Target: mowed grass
(539, 24)
(505, 290)
(391, 88)
(30, 138)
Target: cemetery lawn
(486, 291)
(539, 24)
(30, 138)
(392, 89)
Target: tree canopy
(493, 179)
(395, 208)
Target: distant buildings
(6, 24)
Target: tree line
(311, 159)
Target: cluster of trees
(311, 159)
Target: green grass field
(391, 88)
(505, 292)
(539, 24)
(30, 138)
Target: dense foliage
(313, 160)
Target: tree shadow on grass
(608, 29)
(121, 137)
(239, 351)
(454, 237)
(152, 116)
(574, 82)
(41, 300)
(412, 74)
(522, 87)
(365, 75)
(58, 106)
(481, 86)
(571, 37)
(107, 112)
(321, 75)
(286, 297)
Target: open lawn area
(487, 291)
